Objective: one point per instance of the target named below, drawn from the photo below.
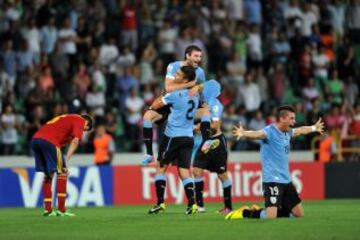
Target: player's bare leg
(188, 183)
(199, 188)
(160, 185)
(226, 183)
(149, 118)
(298, 211)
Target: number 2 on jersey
(189, 113)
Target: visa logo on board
(84, 188)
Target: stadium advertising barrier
(342, 180)
(135, 185)
(99, 186)
(87, 186)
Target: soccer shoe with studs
(67, 213)
(210, 145)
(157, 208)
(50, 214)
(201, 209)
(147, 160)
(191, 209)
(236, 214)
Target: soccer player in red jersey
(46, 145)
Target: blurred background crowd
(109, 58)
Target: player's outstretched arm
(239, 132)
(317, 127)
(171, 85)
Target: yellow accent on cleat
(67, 213)
(50, 214)
(236, 214)
(255, 207)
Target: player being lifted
(281, 197)
(193, 56)
(49, 159)
(213, 156)
(177, 143)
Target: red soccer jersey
(62, 129)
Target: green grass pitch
(330, 219)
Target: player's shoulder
(173, 65)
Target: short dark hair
(192, 48)
(283, 110)
(90, 121)
(189, 72)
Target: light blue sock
(187, 181)
(147, 124)
(205, 118)
(160, 177)
(226, 183)
(199, 179)
(263, 213)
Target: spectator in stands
(9, 132)
(327, 148)
(134, 105)
(129, 24)
(104, 146)
(250, 93)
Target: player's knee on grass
(298, 211)
(198, 172)
(271, 212)
(152, 116)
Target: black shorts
(176, 151)
(164, 112)
(216, 159)
(281, 195)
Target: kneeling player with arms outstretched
(49, 159)
(281, 197)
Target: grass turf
(330, 219)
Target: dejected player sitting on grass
(281, 197)
(49, 159)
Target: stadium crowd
(109, 58)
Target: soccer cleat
(157, 208)
(255, 207)
(147, 160)
(224, 210)
(50, 214)
(210, 145)
(236, 214)
(201, 209)
(191, 210)
(67, 213)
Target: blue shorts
(48, 157)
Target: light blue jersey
(173, 67)
(274, 153)
(181, 119)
